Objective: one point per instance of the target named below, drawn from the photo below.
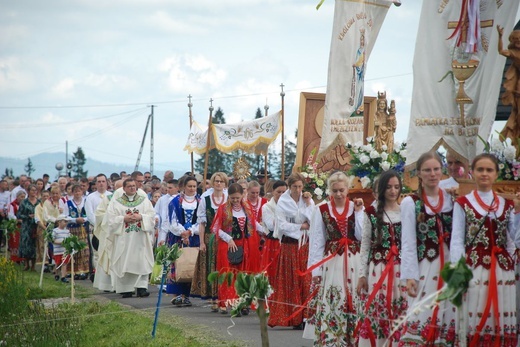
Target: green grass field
(25, 321)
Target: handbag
(237, 256)
(185, 265)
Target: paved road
(247, 328)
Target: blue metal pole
(158, 307)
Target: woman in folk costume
(334, 260)
(236, 228)
(379, 282)
(51, 211)
(42, 226)
(484, 233)
(293, 215)
(28, 236)
(272, 241)
(14, 239)
(78, 226)
(425, 236)
(184, 231)
(207, 259)
(255, 200)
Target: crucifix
(463, 27)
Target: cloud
(64, 88)
(193, 73)
(13, 75)
(163, 21)
(109, 82)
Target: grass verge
(25, 321)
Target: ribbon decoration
(433, 324)
(492, 298)
(388, 272)
(343, 243)
(304, 305)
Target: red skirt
(270, 256)
(290, 290)
(14, 244)
(249, 264)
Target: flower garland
(367, 163)
(509, 166)
(315, 182)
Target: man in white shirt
(91, 203)
(161, 207)
(19, 184)
(457, 170)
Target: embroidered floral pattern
(334, 234)
(379, 251)
(428, 235)
(334, 324)
(131, 227)
(483, 233)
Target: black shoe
(57, 277)
(127, 295)
(92, 276)
(64, 280)
(82, 277)
(244, 311)
(142, 292)
(300, 326)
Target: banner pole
(191, 123)
(207, 143)
(282, 95)
(266, 108)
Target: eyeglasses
(218, 181)
(155, 188)
(430, 170)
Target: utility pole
(151, 142)
(148, 123)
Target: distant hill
(45, 163)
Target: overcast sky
(85, 71)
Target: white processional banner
(457, 67)
(253, 136)
(354, 32)
(197, 139)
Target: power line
(41, 125)
(184, 100)
(95, 133)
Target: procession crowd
(345, 271)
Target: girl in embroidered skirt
(207, 259)
(426, 224)
(293, 215)
(236, 227)
(334, 260)
(78, 226)
(184, 231)
(483, 233)
(380, 265)
(272, 241)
